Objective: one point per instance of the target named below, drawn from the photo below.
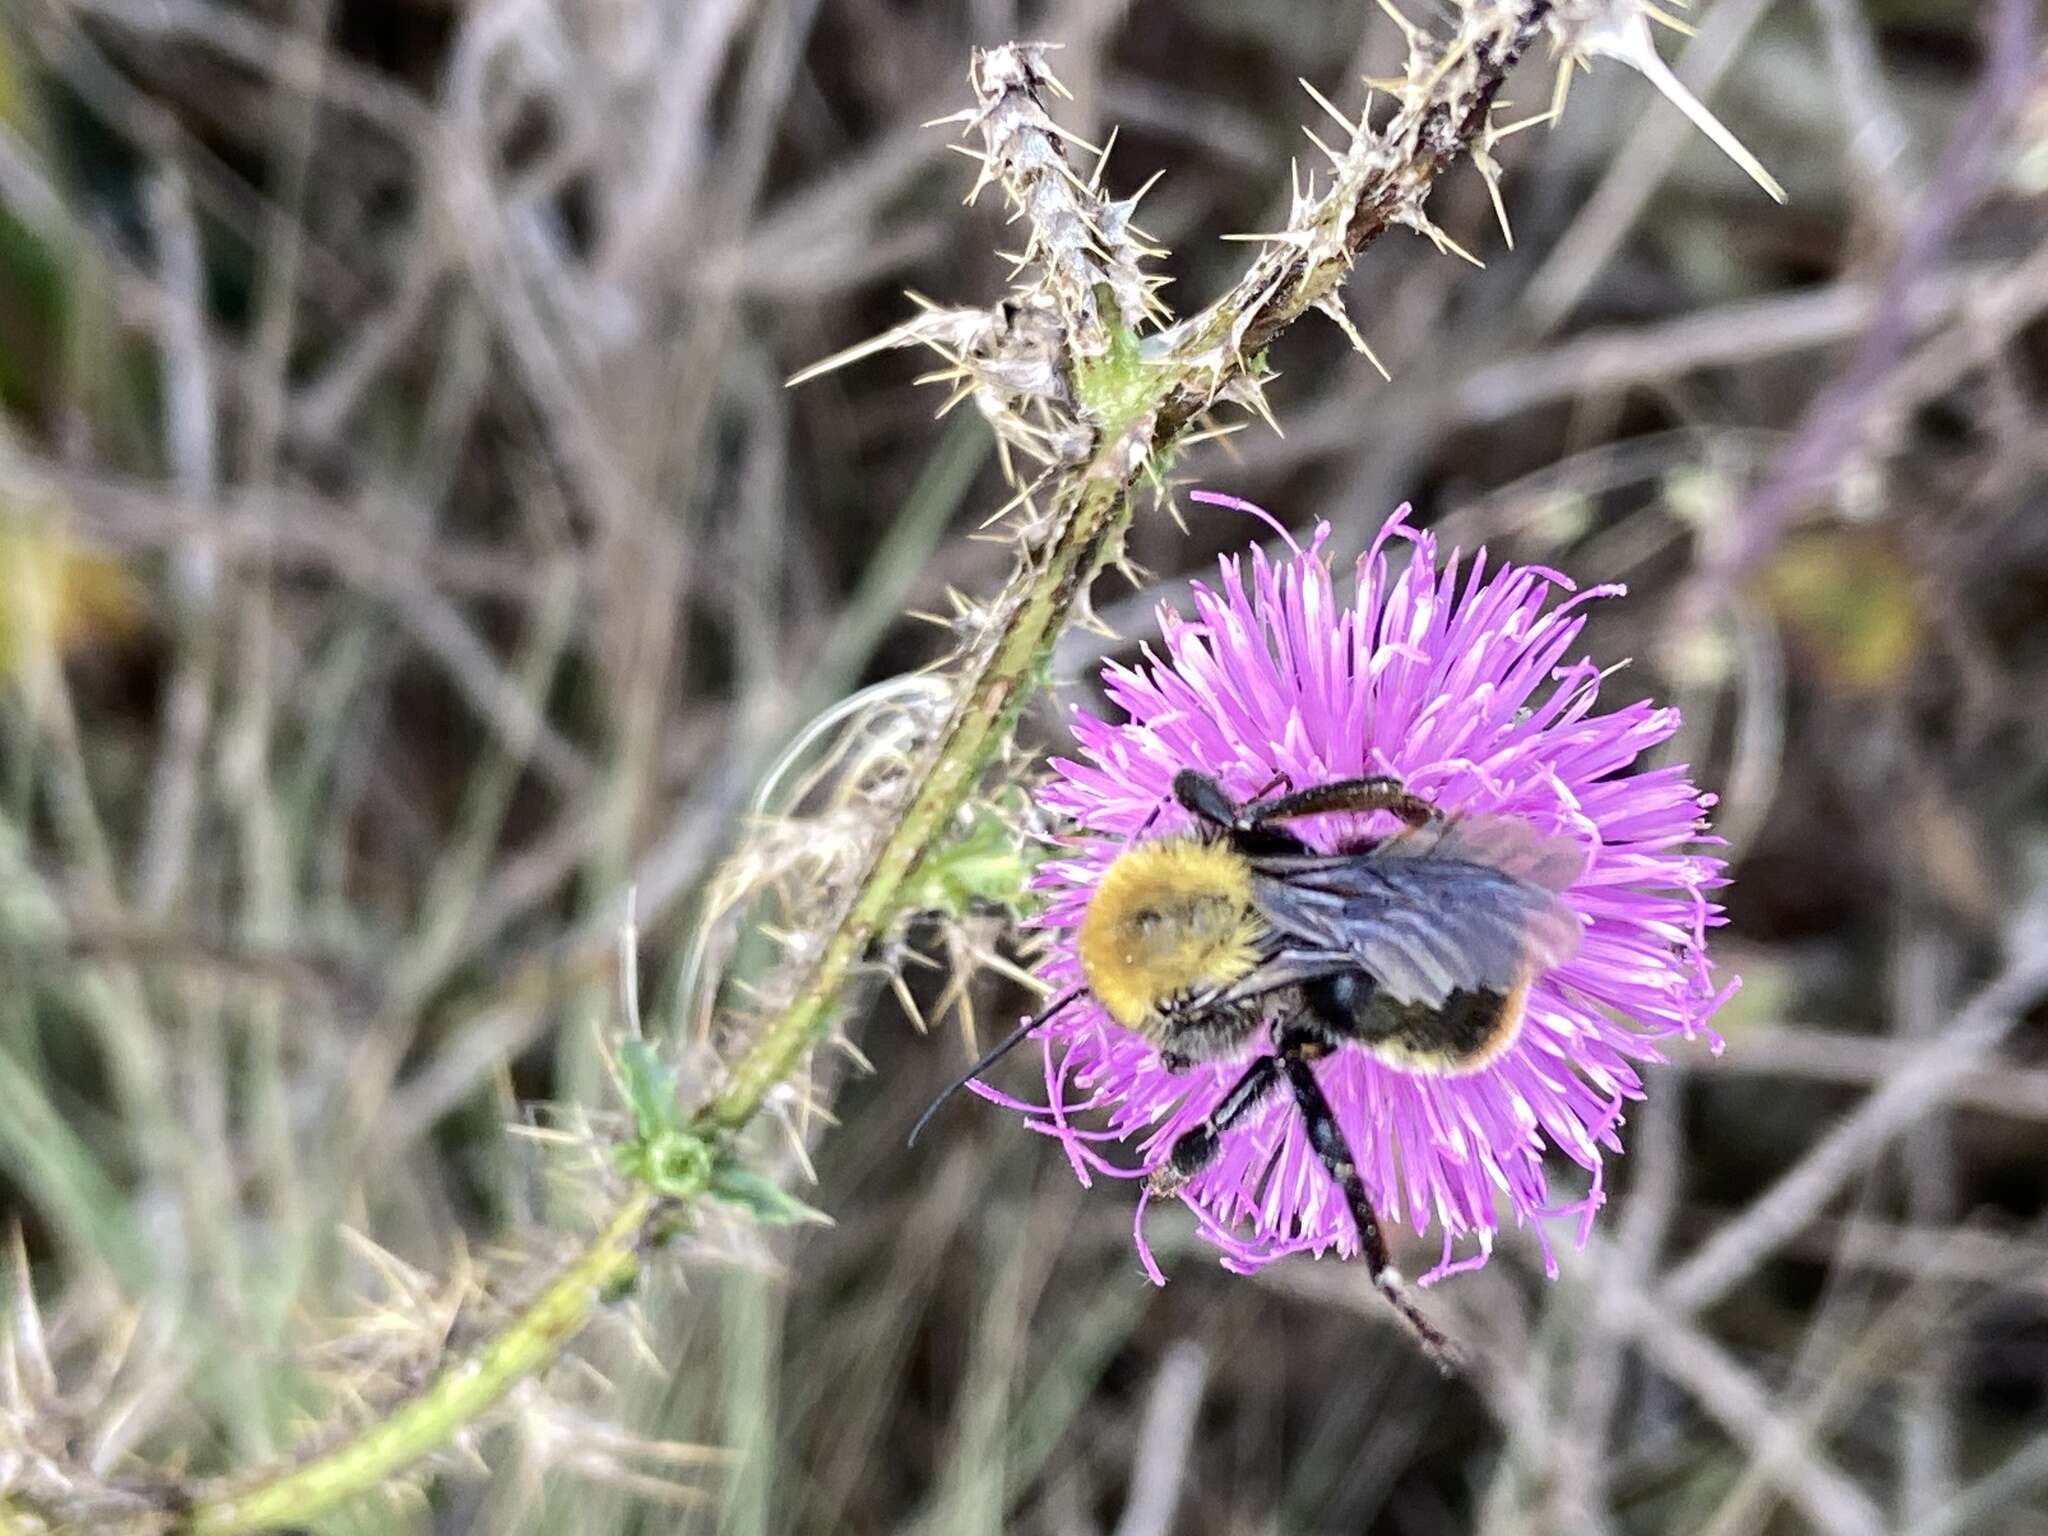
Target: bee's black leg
(1202, 796)
(1297, 1050)
(1381, 793)
(1193, 1150)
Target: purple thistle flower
(1460, 686)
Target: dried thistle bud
(1079, 291)
(1081, 243)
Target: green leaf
(1116, 386)
(650, 1090)
(762, 1198)
(987, 864)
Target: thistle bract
(1460, 680)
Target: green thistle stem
(1091, 509)
(1098, 512)
(456, 1398)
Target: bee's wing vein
(1422, 927)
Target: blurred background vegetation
(407, 544)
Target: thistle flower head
(1459, 679)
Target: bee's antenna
(994, 1054)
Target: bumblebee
(1419, 948)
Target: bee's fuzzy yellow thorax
(1166, 916)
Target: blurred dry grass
(409, 544)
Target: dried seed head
(1078, 285)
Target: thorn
(946, 406)
(1072, 177)
(1560, 89)
(1059, 131)
(985, 177)
(896, 336)
(1243, 322)
(611, 1061)
(1628, 41)
(1409, 30)
(1324, 102)
(957, 993)
(1084, 614)
(643, 1348)
(1333, 307)
(1666, 19)
(1251, 393)
(1336, 160)
(807, 1169)
(1496, 132)
(30, 1350)
(1025, 435)
(1102, 160)
(908, 1003)
(1300, 239)
(401, 1279)
(544, 1135)
(1489, 172)
(982, 527)
(629, 961)
(1092, 621)
(1211, 433)
(1436, 237)
(1133, 200)
(1003, 967)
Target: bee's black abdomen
(1466, 1030)
(1342, 1003)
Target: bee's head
(1167, 916)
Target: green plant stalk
(981, 722)
(456, 1398)
(1091, 512)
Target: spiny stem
(981, 722)
(1091, 507)
(456, 1398)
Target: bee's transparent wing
(1421, 925)
(1506, 843)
